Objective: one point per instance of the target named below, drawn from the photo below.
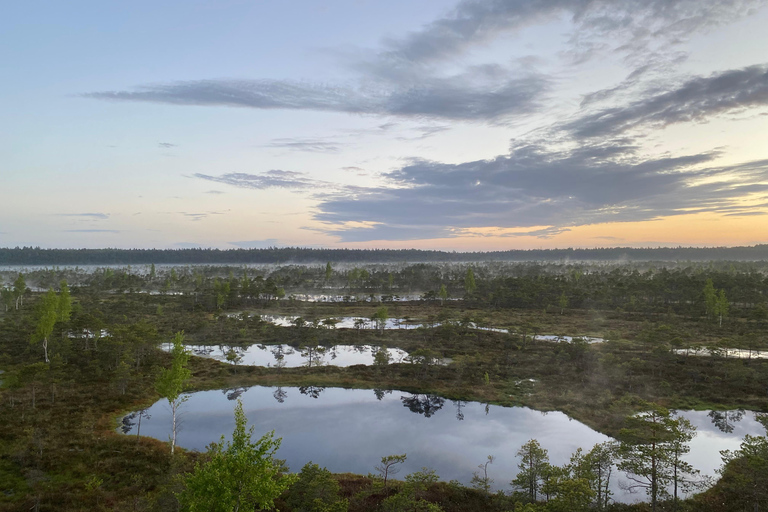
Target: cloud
(270, 179)
(256, 244)
(426, 131)
(545, 233)
(458, 97)
(638, 28)
(199, 216)
(94, 216)
(404, 77)
(215, 192)
(310, 145)
(538, 185)
(697, 99)
(745, 214)
(166, 145)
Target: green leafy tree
(388, 466)
(480, 479)
(170, 383)
(595, 467)
(721, 307)
(381, 357)
(443, 293)
(380, 317)
(234, 357)
(650, 451)
(19, 289)
(328, 271)
(316, 490)
(7, 297)
(46, 316)
(682, 473)
(563, 302)
(411, 495)
(573, 495)
(469, 282)
(743, 484)
(240, 475)
(534, 465)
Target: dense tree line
(715, 291)
(40, 256)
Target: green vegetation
(238, 475)
(86, 352)
(171, 381)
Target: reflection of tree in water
(423, 404)
(381, 392)
(280, 394)
(459, 404)
(128, 422)
(279, 356)
(234, 393)
(724, 420)
(313, 391)
(314, 354)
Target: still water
(349, 430)
(286, 356)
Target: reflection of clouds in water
(350, 430)
(286, 356)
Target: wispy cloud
(166, 145)
(697, 99)
(199, 216)
(636, 26)
(310, 145)
(425, 131)
(456, 97)
(270, 179)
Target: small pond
(351, 429)
(286, 356)
(735, 353)
(359, 322)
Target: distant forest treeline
(38, 256)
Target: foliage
(239, 475)
(480, 479)
(388, 466)
(744, 475)
(315, 490)
(651, 448)
(533, 468)
(170, 382)
(47, 314)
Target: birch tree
(170, 383)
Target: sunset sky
(470, 125)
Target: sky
(455, 125)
